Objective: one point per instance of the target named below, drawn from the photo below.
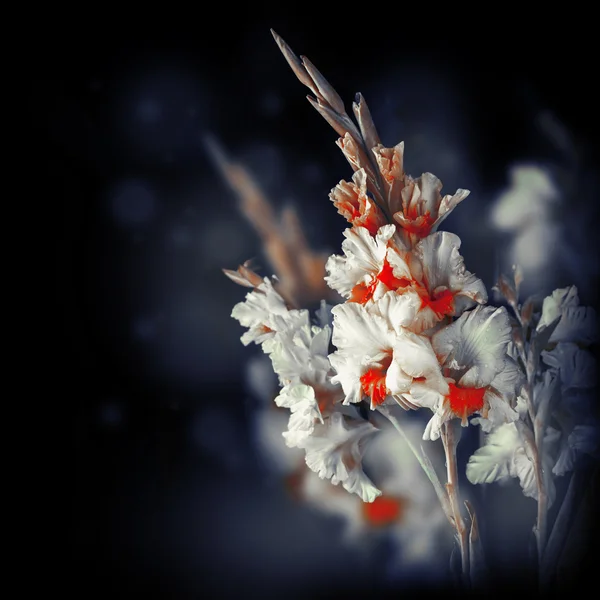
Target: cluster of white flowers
(414, 331)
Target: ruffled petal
(264, 312)
(335, 452)
(492, 461)
(475, 345)
(554, 305)
(363, 259)
(444, 269)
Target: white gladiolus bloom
(376, 355)
(577, 323)
(505, 454)
(450, 288)
(528, 200)
(416, 204)
(370, 266)
(300, 359)
(264, 313)
(304, 408)
(334, 451)
(434, 270)
(480, 376)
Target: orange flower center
(362, 293)
(383, 510)
(420, 225)
(373, 382)
(442, 304)
(465, 401)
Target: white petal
(396, 380)
(348, 372)
(415, 355)
(300, 354)
(476, 344)
(499, 412)
(334, 452)
(399, 310)
(362, 260)
(447, 204)
(424, 396)
(492, 461)
(554, 305)
(363, 339)
(443, 266)
(509, 381)
(433, 429)
(356, 331)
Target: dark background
(166, 494)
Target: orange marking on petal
(383, 510)
(373, 382)
(386, 276)
(442, 304)
(362, 293)
(371, 224)
(465, 401)
(420, 225)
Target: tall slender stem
(423, 461)
(538, 438)
(449, 443)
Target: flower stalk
(452, 489)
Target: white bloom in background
(529, 199)
(505, 454)
(264, 313)
(370, 266)
(408, 505)
(376, 356)
(554, 305)
(334, 451)
(480, 377)
(577, 323)
(526, 209)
